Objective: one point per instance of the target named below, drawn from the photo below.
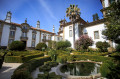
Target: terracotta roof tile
(31, 27)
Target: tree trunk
(73, 35)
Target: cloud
(45, 5)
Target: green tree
(112, 17)
(73, 12)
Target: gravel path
(7, 70)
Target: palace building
(31, 36)
(93, 29)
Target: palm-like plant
(73, 12)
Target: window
(44, 37)
(70, 31)
(58, 38)
(33, 36)
(96, 34)
(11, 40)
(49, 37)
(24, 34)
(33, 43)
(12, 33)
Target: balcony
(24, 38)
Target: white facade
(67, 36)
(91, 29)
(5, 35)
(22, 32)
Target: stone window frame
(44, 36)
(12, 37)
(70, 30)
(33, 43)
(24, 34)
(49, 37)
(98, 35)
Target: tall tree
(73, 12)
(112, 17)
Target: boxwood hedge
(21, 59)
(24, 70)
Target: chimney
(38, 24)
(8, 17)
(53, 29)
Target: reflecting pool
(80, 69)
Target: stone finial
(38, 24)
(26, 20)
(8, 17)
(53, 29)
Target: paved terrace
(7, 70)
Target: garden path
(7, 70)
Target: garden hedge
(24, 70)
(93, 58)
(21, 59)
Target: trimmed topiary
(17, 45)
(102, 46)
(63, 45)
(40, 46)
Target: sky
(48, 12)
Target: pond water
(80, 69)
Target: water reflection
(80, 69)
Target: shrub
(105, 68)
(51, 75)
(92, 57)
(93, 50)
(13, 59)
(111, 49)
(52, 44)
(63, 45)
(40, 46)
(118, 48)
(83, 42)
(22, 58)
(69, 49)
(62, 59)
(24, 70)
(102, 46)
(17, 45)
